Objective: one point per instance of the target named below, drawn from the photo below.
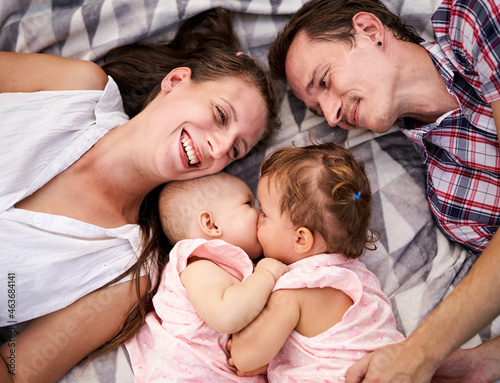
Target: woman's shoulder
(92, 77)
(77, 75)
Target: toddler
(328, 310)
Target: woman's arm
(31, 72)
(221, 301)
(51, 345)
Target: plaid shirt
(461, 149)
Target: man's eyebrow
(310, 84)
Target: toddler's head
(322, 193)
(218, 206)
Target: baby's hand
(275, 267)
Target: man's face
(348, 85)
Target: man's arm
(51, 345)
(31, 72)
(473, 304)
(224, 303)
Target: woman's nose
(219, 144)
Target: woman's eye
(222, 114)
(236, 152)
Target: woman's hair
(207, 44)
(331, 20)
(325, 189)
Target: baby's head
(321, 190)
(219, 206)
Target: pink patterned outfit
(368, 324)
(175, 344)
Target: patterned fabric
(367, 325)
(175, 344)
(461, 150)
(416, 265)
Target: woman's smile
(192, 158)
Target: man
(360, 66)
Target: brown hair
(331, 20)
(317, 186)
(207, 44)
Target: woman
(80, 180)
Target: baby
(328, 310)
(209, 288)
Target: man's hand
(479, 365)
(396, 363)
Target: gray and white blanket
(416, 264)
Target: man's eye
(323, 81)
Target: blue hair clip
(357, 195)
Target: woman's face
(199, 128)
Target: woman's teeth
(189, 150)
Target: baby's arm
(258, 343)
(221, 300)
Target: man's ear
(368, 25)
(206, 222)
(174, 78)
(304, 240)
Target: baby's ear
(304, 240)
(206, 221)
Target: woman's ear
(304, 240)
(206, 222)
(368, 25)
(174, 78)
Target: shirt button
(37, 218)
(467, 112)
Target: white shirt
(47, 261)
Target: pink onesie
(175, 344)
(367, 325)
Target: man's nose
(332, 109)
